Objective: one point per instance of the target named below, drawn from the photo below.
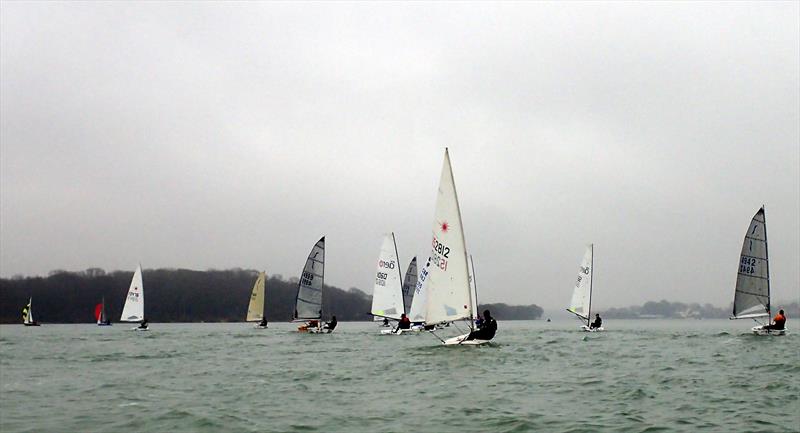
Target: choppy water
(640, 376)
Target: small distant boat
(387, 292)
(133, 311)
(751, 300)
(255, 310)
(308, 303)
(581, 303)
(100, 313)
(27, 314)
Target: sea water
(638, 376)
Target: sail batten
(308, 304)
(133, 311)
(751, 297)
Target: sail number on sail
(380, 277)
(439, 254)
(306, 278)
(748, 265)
(584, 270)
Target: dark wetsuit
(404, 323)
(598, 322)
(487, 331)
(331, 325)
(779, 322)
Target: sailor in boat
(386, 322)
(143, 325)
(330, 326)
(598, 322)
(405, 323)
(778, 323)
(263, 322)
(486, 331)
(479, 321)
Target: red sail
(97, 310)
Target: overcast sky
(218, 135)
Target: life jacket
(779, 319)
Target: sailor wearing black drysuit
(487, 330)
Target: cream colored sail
(255, 310)
(387, 293)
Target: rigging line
(434, 334)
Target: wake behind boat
(751, 300)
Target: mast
(474, 284)
(399, 274)
(591, 282)
(463, 239)
(264, 299)
(766, 259)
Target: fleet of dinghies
(444, 290)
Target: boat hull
(140, 329)
(398, 332)
(759, 330)
(585, 328)
(31, 324)
(461, 340)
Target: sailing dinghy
(308, 303)
(100, 313)
(255, 310)
(387, 293)
(27, 314)
(581, 303)
(751, 299)
(449, 292)
(133, 311)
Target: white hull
(140, 329)
(759, 330)
(398, 332)
(585, 328)
(462, 341)
(260, 327)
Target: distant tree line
(679, 310)
(182, 295)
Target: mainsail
(751, 299)
(449, 291)
(27, 312)
(309, 291)
(387, 295)
(255, 310)
(419, 303)
(409, 285)
(100, 312)
(580, 304)
(133, 311)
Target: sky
(208, 135)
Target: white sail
(133, 311)
(752, 282)
(387, 294)
(308, 305)
(255, 310)
(419, 303)
(582, 294)
(27, 312)
(409, 285)
(449, 292)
